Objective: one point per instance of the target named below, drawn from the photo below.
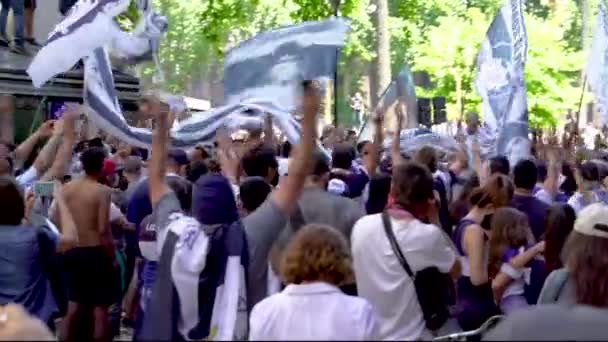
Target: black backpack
(432, 286)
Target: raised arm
(553, 170)
(64, 153)
(158, 160)
(269, 139)
(25, 148)
(290, 189)
(44, 159)
(396, 143)
(371, 161)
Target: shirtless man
(90, 266)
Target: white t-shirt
(295, 314)
(382, 280)
(27, 178)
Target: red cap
(109, 167)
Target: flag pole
(336, 6)
(580, 103)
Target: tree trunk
(382, 63)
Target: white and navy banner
(597, 66)
(403, 89)
(273, 64)
(500, 81)
(256, 78)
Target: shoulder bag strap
(388, 229)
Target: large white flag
(500, 81)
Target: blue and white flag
(500, 81)
(597, 66)
(271, 65)
(403, 89)
(89, 32)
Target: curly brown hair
(588, 261)
(317, 253)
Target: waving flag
(88, 26)
(272, 64)
(403, 89)
(500, 81)
(597, 66)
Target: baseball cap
(178, 156)
(593, 221)
(132, 164)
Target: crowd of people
(264, 240)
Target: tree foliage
(441, 37)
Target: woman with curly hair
(315, 263)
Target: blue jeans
(18, 7)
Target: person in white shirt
(380, 277)
(312, 307)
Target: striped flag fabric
(500, 81)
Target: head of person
(183, 192)
(195, 170)
(11, 202)
(285, 149)
(472, 121)
(541, 168)
(558, 226)
(317, 253)
(568, 185)
(213, 200)
(499, 164)
(427, 156)
(109, 174)
(253, 191)
(177, 162)
(93, 161)
(199, 153)
(509, 230)
(589, 176)
(363, 148)
(412, 188)
(132, 168)
(525, 175)
(496, 193)
(261, 161)
(321, 173)
(379, 189)
(586, 257)
(342, 156)
(462, 193)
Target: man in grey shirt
(265, 224)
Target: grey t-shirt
(262, 227)
(554, 322)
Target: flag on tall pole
(597, 65)
(500, 81)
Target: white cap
(593, 221)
